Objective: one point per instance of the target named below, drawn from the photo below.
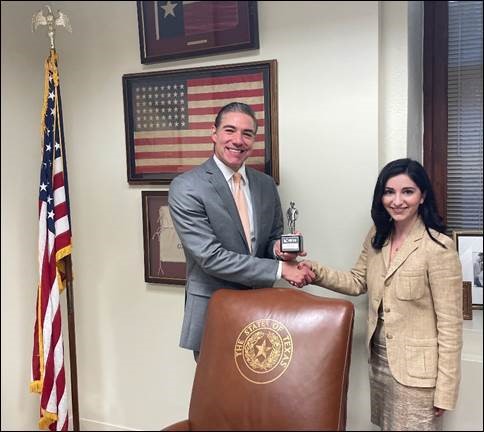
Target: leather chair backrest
(273, 359)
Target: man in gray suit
(206, 218)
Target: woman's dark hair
(236, 107)
(427, 210)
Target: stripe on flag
(173, 120)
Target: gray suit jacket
(208, 224)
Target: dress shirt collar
(229, 172)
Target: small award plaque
(292, 242)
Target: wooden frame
(163, 253)
(174, 30)
(467, 300)
(435, 79)
(169, 117)
(469, 247)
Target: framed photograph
(469, 246)
(170, 30)
(163, 251)
(169, 117)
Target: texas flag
(192, 18)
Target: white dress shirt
(228, 174)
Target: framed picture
(170, 30)
(469, 246)
(169, 117)
(467, 300)
(163, 251)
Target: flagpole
(72, 342)
(71, 322)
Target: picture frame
(469, 247)
(169, 117)
(467, 300)
(171, 30)
(164, 259)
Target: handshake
(297, 273)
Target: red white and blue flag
(173, 119)
(48, 373)
(193, 18)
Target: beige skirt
(395, 407)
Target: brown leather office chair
(272, 359)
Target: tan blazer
(421, 291)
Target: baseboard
(94, 425)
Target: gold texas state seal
(263, 351)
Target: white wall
(400, 83)
(131, 373)
(21, 55)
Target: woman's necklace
(398, 240)
(395, 245)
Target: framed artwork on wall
(163, 252)
(170, 30)
(469, 247)
(169, 117)
(467, 300)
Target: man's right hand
(298, 276)
(287, 256)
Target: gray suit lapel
(220, 185)
(256, 197)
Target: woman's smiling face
(402, 198)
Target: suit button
(387, 310)
(387, 282)
(389, 336)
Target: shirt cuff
(279, 270)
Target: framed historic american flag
(169, 117)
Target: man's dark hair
(235, 107)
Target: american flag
(48, 374)
(173, 119)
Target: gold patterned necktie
(241, 203)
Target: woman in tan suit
(413, 277)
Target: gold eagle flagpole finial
(51, 21)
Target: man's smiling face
(234, 139)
